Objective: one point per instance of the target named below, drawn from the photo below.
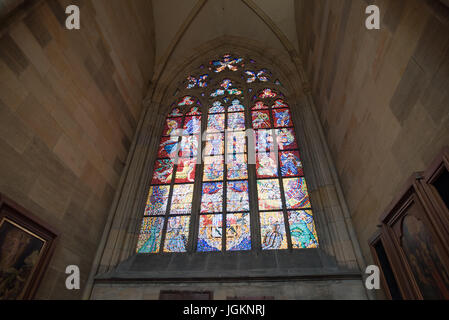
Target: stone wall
(70, 102)
(382, 95)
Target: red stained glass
(168, 147)
(185, 171)
(259, 105)
(192, 125)
(171, 125)
(286, 139)
(163, 170)
(291, 165)
(282, 118)
(267, 93)
(261, 119)
(279, 104)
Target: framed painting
(26, 246)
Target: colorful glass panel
(237, 167)
(236, 121)
(194, 111)
(259, 105)
(272, 229)
(279, 104)
(182, 199)
(282, 118)
(214, 144)
(150, 235)
(191, 82)
(227, 62)
(267, 93)
(175, 113)
(261, 119)
(189, 146)
(269, 194)
(237, 196)
(177, 234)
(226, 84)
(238, 232)
(266, 165)
(302, 229)
(296, 194)
(286, 139)
(217, 93)
(291, 165)
(202, 80)
(212, 197)
(157, 200)
(185, 171)
(186, 101)
(216, 123)
(171, 125)
(235, 142)
(210, 233)
(217, 107)
(163, 170)
(213, 168)
(168, 147)
(192, 125)
(236, 106)
(264, 140)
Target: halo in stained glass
(210, 233)
(269, 194)
(177, 234)
(236, 121)
(237, 196)
(157, 200)
(212, 197)
(186, 101)
(261, 119)
(302, 229)
(189, 146)
(291, 165)
(163, 170)
(175, 113)
(279, 104)
(217, 107)
(214, 144)
(185, 171)
(213, 168)
(236, 106)
(192, 125)
(150, 235)
(296, 194)
(168, 147)
(267, 93)
(181, 202)
(235, 142)
(282, 118)
(237, 167)
(272, 229)
(171, 125)
(266, 165)
(216, 123)
(238, 232)
(286, 139)
(259, 105)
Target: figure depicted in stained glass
(238, 233)
(266, 165)
(168, 147)
(210, 233)
(216, 123)
(213, 168)
(302, 229)
(261, 119)
(189, 146)
(171, 125)
(272, 231)
(286, 139)
(236, 121)
(237, 167)
(157, 200)
(296, 194)
(282, 118)
(163, 170)
(264, 140)
(269, 194)
(235, 142)
(181, 202)
(192, 125)
(237, 196)
(290, 164)
(214, 144)
(212, 197)
(177, 234)
(150, 235)
(185, 171)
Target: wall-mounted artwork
(26, 246)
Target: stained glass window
(201, 177)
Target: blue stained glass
(177, 234)
(302, 229)
(217, 107)
(150, 235)
(238, 232)
(210, 233)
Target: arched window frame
(248, 98)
